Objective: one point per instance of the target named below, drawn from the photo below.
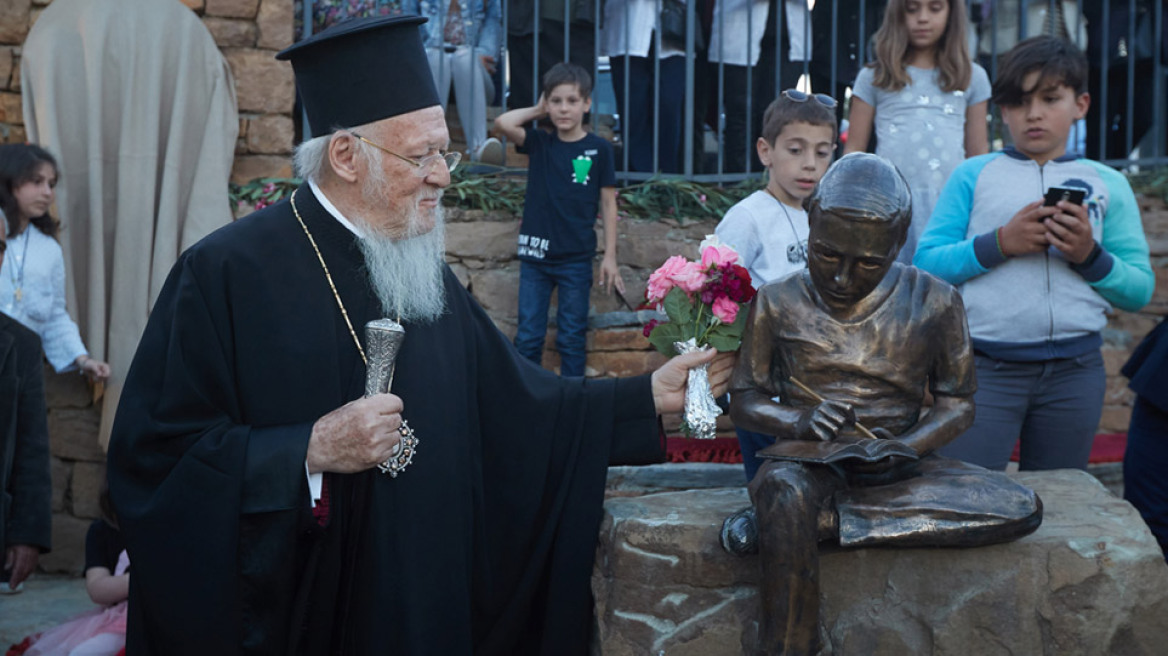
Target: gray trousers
(473, 88)
(1053, 406)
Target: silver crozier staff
(383, 339)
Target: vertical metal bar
(750, 99)
(1158, 117)
(1131, 78)
(536, 84)
(656, 109)
(1104, 80)
(688, 121)
(834, 44)
(1021, 22)
(721, 8)
(568, 33)
(807, 49)
(781, 6)
(625, 84)
(309, 6)
(861, 38)
(505, 63)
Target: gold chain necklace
(329, 276)
(407, 445)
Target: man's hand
(356, 436)
(1026, 232)
(20, 560)
(488, 63)
(610, 275)
(824, 421)
(1069, 230)
(669, 381)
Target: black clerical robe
(483, 545)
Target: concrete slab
(46, 601)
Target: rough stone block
(231, 32)
(67, 390)
(14, 20)
(487, 240)
(13, 133)
(7, 60)
(270, 135)
(262, 84)
(250, 167)
(497, 290)
(196, 6)
(86, 489)
(73, 434)
(1115, 419)
(617, 339)
(625, 363)
(68, 554)
(10, 110)
(232, 8)
(59, 471)
(274, 21)
(1090, 581)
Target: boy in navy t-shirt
(569, 181)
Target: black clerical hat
(360, 71)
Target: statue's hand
(881, 472)
(824, 421)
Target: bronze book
(837, 451)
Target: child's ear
(588, 104)
(764, 151)
(1082, 104)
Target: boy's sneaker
(489, 152)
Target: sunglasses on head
(795, 95)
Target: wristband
(998, 241)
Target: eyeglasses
(795, 95)
(422, 167)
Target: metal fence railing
(686, 96)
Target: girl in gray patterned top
(926, 98)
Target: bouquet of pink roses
(706, 302)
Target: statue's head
(859, 218)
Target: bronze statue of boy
(835, 362)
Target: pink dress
(99, 632)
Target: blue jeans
(1053, 406)
(536, 282)
(751, 443)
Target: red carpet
(1108, 447)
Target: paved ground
(47, 600)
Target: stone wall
(249, 33)
(481, 250)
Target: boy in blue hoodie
(1037, 281)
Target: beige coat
(138, 104)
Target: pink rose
(691, 278)
(718, 255)
(725, 309)
(661, 280)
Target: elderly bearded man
(247, 376)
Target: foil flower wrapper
(700, 416)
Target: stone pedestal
(1090, 581)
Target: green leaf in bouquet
(665, 334)
(678, 306)
(721, 339)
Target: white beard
(407, 274)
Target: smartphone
(1069, 194)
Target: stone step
(1091, 580)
